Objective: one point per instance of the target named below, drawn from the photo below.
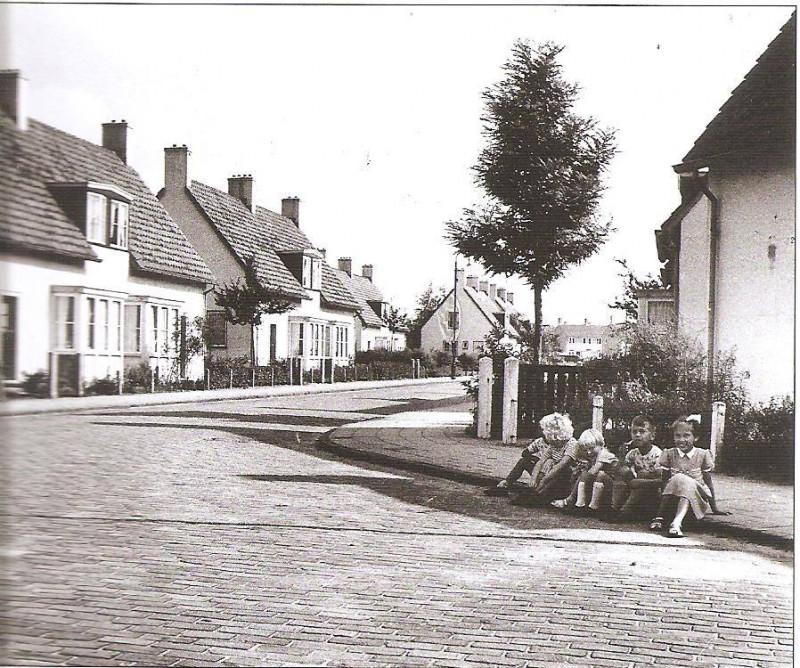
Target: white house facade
(96, 277)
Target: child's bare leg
(620, 494)
(683, 508)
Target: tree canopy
(541, 174)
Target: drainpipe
(712, 289)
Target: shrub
(102, 386)
(36, 384)
(136, 378)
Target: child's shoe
(561, 504)
(501, 489)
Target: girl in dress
(686, 473)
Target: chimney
(586, 321)
(13, 98)
(176, 166)
(501, 293)
(241, 187)
(510, 298)
(290, 208)
(689, 184)
(472, 282)
(559, 321)
(484, 287)
(366, 271)
(345, 264)
(492, 291)
(115, 138)
(324, 252)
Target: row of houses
(99, 274)
(728, 249)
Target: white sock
(597, 492)
(582, 494)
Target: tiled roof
(247, 237)
(760, 114)
(285, 236)
(33, 220)
(489, 307)
(357, 285)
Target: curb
(328, 443)
(17, 407)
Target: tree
(627, 302)
(541, 173)
(427, 302)
(246, 303)
(395, 321)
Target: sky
(370, 114)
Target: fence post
(208, 379)
(119, 382)
(485, 382)
(152, 380)
(717, 429)
(597, 412)
(271, 375)
(254, 376)
(510, 399)
(230, 381)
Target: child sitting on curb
(637, 484)
(590, 489)
(686, 472)
(547, 459)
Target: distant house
(96, 276)
(586, 341)
(229, 230)
(371, 330)
(467, 315)
(729, 247)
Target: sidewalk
(70, 404)
(435, 443)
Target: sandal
(657, 524)
(675, 532)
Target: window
(584, 339)
(571, 339)
(65, 322)
(116, 326)
(163, 330)
(118, 235)
(306, 271)
(175, 330)
(96, 218)
(91, 321)
(452, 319)
(446, 346)
(327, 341)
(341, 342)
(477, 345)
(465, 345)
(102, 320)
(215, 323)
(599, 341)
(133, 328)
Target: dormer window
(96, 209)
(312, 272)
(118, 224)
(100, 209)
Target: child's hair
(685, 419)
(591, 439)
(556, 427)
(643, 421)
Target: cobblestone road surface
(213, 538)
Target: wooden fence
(543, 389)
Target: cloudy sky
(371, 114)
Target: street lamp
(454, 340)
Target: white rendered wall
(693, 278)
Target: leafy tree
(396, 321)
(246, 303)
(541, 173)
(631, 284)
(427, 302)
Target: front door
(8, 332)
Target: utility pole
(454, 341)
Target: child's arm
(708, 480)
(552, 473)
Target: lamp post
(454, 341)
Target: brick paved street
(220, 537)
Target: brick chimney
(586, 321)
(324, 252)
(510, 297)
(492, 291)
(366, 271)
(115, 138)
(484, 287)
(501, 293)
(176, 167)
(290, 208)
(241, 187)
(472, 282)
(346, 265)
(559, 321)
(13, 98)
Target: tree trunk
(537, 323)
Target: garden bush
(36, 384)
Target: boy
(638, 483)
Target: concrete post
(597, 413)
(53, 376)
(510, 399)
(230, 378)
(717, 429)
(485, 383)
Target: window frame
(118, 226)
